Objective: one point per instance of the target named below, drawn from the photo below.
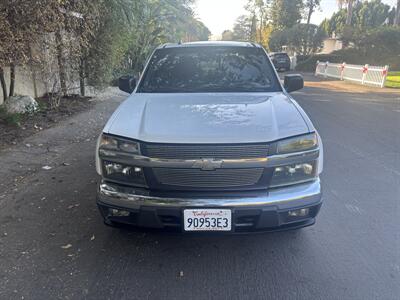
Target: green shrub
(309, 64)
(301, 58)
(302, 38)
(379, 47)
(350, 56)
(43, 105)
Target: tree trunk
(33, 71)
(12, 79)
(397, 16)
(253, 30)
(82, 76)
(349, 12)
(61, 63)
(3, 84)
(310, 11)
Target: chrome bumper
(306, 194)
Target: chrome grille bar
(219, 178)
(164, 151)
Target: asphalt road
(53, 244)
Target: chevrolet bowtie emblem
(207, 164)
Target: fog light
(299, 212)
(118, 213)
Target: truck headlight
(110, 143)
(112, 148)
(123, 173)
(294, 173)
(297, 144)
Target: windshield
(281, 56)
(209, 69)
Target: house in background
(331, 44)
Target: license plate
(207, 219)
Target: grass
(393, 80)
(10, 119)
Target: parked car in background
(209, 140)
(281, 61)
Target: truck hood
(207, 118)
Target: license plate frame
(210, 213)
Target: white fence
(366, 75)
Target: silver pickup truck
(210, 140)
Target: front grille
(205, 151)
(220, 178)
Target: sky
(219, 15)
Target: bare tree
(311, 6)
(3, 84)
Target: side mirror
(293, 82)
(127, 83)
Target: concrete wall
(26, 83)
(38, 83)
(44, 78)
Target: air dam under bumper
(263, 211)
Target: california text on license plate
(207, 219)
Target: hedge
(309, 64)
(350, 56)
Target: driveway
(53, 244)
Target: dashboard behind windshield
(209, 69)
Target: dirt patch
(27, 125)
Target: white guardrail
(366, 75)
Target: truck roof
(278, 53)
(210, 44)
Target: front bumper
(251, 212)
